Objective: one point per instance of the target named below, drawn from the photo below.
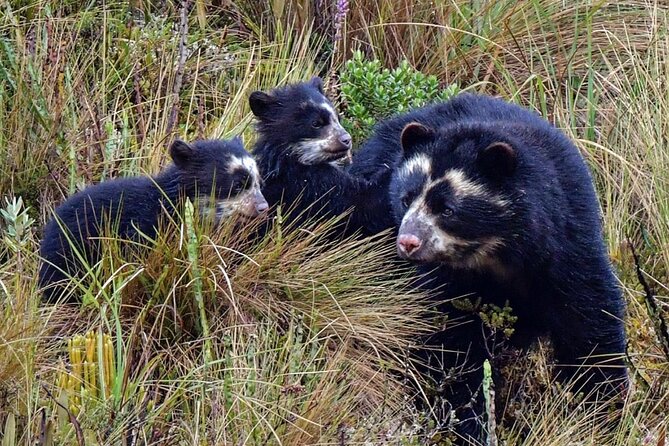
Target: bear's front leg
(452, 362)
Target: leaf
(9, 438)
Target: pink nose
(262, 207)
(408, 243)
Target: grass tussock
(286, 340)
(213, 337)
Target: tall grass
(90, 95)
(304, 337)
(283, 341)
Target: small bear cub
(220, 177)
(301, 151)
(298, 122)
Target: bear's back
(122, 205)
(131, 199)
(382, 151)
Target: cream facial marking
(242, 203)
(315, 150)
(445, 246)
(247, 163)
(312, 151)
(220, 209)
(331, 111)
(438, 244)
(420, 163)
(335, 127)
(462, 186)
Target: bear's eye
(447, 211)
(240, 186)
(406, 200)
(318, 123)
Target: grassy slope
(88, 93)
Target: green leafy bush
(371, 92)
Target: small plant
(83, 390)
(470, 305)
(18, 223)
(192, 248)
(91, 374)
(371, 92)
(499, 320)
(91, 385)
(489, 395)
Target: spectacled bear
(499, 205)
(301, 152)
(220, 177)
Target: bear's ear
(413, 135)
(499, 159)
(317, 83)
(261, 103)
(181, 153)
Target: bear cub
(301, 152)
(498, 205)
(219, 176)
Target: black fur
(314, 185)
(131, 206)
(553, 267)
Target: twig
(651, 305)
(178, 79)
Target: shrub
(371, 92)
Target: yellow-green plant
(90, 373)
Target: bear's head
(455, 195)
(301, 123)
(221, 175)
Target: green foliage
(18, 224)
(372, 92)
(499, 320)
(467, 304)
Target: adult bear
(499, 205)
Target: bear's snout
(411, 238)
(407, 244)
(259, 203)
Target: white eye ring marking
(331, 111)
(463, 186)
(249, 165)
